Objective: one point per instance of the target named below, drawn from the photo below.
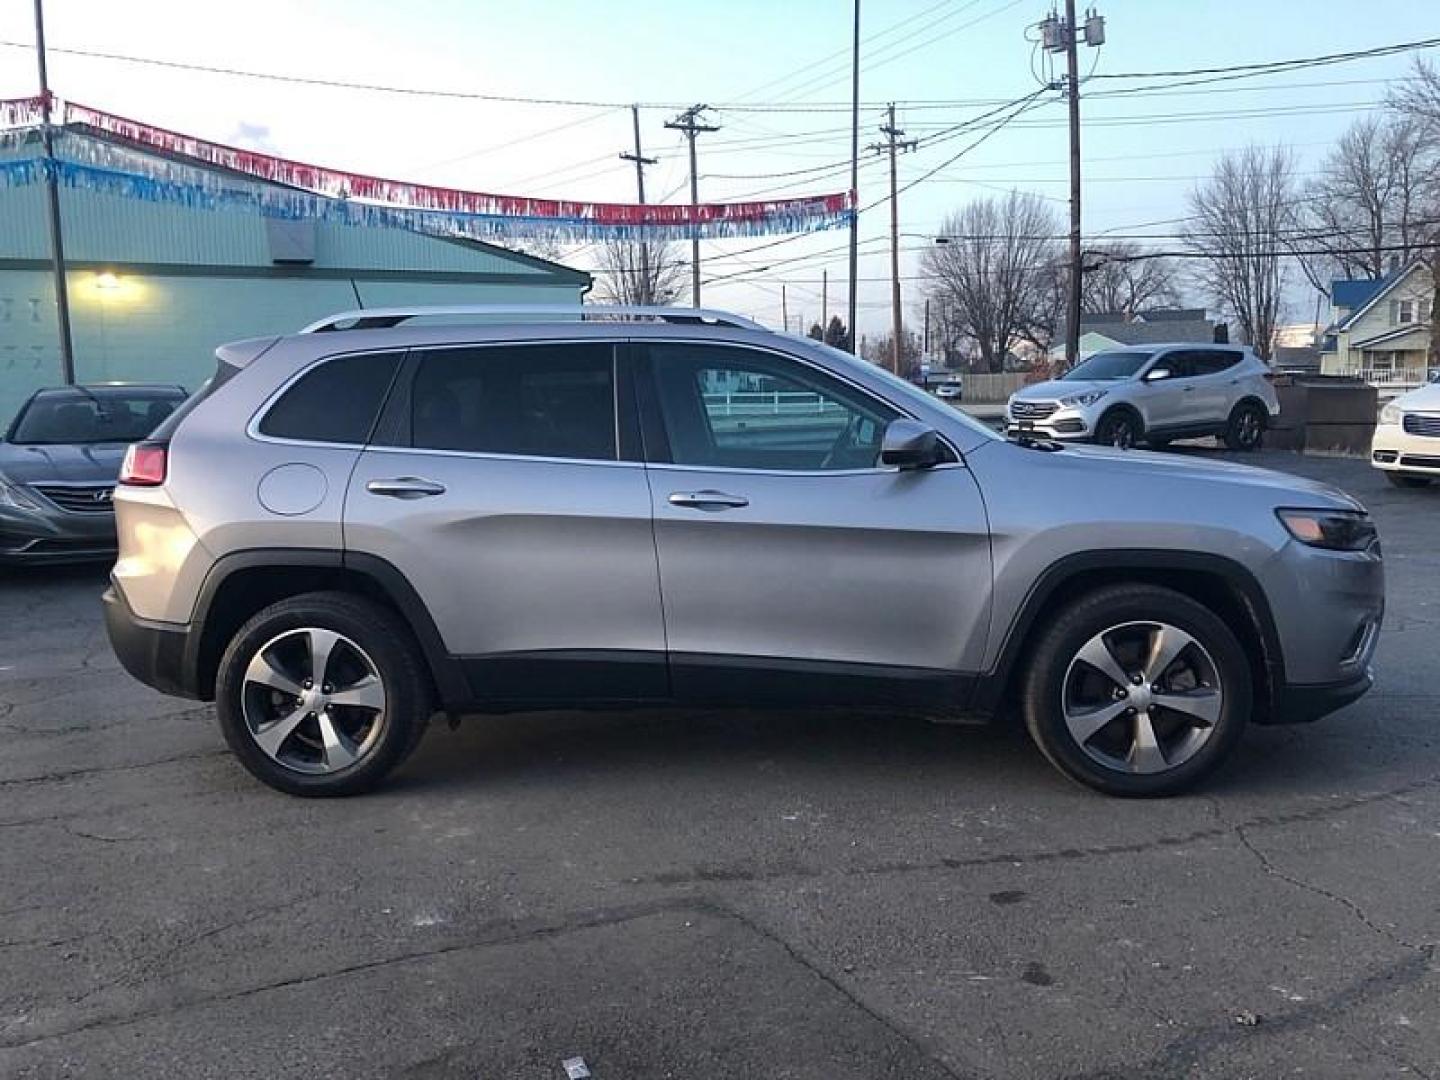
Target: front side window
(82, 415)
(543, 400)
(335, 402)
(1107, 367)
(736, 408)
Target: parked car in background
(58, 464)
(1152, 394)
(1406, 445)
(952, 389)
(358, 525)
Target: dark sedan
(58, 465)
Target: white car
(1406, 446)
(951, 390)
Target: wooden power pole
(646, 293)
(689, 122)
(52, 206)
(894, 144)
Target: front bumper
(45, 536)
(160, 655)
(1393, 449)
(1064, 423)
(1302, 703)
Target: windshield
(100, 415)
(1107, 367)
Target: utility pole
(1063, 36)
(925, 348)
(647, 292)
(689, 122)
(854, 177)
(784, 308)
(52, 204)
(894, 144)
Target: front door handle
(708, 500)
(405, 487)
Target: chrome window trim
(486, 455)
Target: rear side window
(543, 400)
(1213, 361)
(336, 402)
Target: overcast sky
(1142, 152)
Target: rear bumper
(1299, 703)
(158, 654)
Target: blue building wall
(154, 288)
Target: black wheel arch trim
(993, 685)
(448, 674)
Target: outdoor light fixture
(107, 281)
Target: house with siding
(1380, 329)
(155, 286)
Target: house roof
(1391, 336)
(1110, 318)
(1376, 290)
(1161, 333)
(1356, 293)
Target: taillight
(144, 465)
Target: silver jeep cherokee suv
(351, 528)
(1152, 394)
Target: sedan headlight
(1335, 530)
(14, 498)
(1089, 397)
(1392, 414)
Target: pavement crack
(61, 776)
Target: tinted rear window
(552, 400)
(336, 402)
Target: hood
(1055, 389)
(1146, 466)
(1425, 399)
(77, 463)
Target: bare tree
(1418, 101)
(1120, 276)
(1362, 212)
(989, 278)
(1241, 228)
(641, 273)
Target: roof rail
(386, 317)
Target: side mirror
(909, 444)
(1156, 374)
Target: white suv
(1152, 394)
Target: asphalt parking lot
(715, 895)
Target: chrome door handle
(405, 487)
(708, 500)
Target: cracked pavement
(712, 894)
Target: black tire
(1403, 480)
(1054, 662)
(376, 636)
(1158, 442)
(1245, 430)
(1120, 428)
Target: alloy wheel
(1142, 697)
(313, 700)
(1247, 428)
(1121, 433)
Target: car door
(1168, 402)
(498, 484)
(790, 560)
(1216, 383)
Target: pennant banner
(658, 222)
(199, 188)
(17, 111)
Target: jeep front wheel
(322, 694)
(1136, 690)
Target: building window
(1402, 311)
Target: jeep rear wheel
(1136, 690)
(322, 694)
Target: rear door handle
(405, 487)
(708, 500)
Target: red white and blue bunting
(102, 152)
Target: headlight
(1336, 530)
(1391, 414)
(1089, 397)
(15, 498)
